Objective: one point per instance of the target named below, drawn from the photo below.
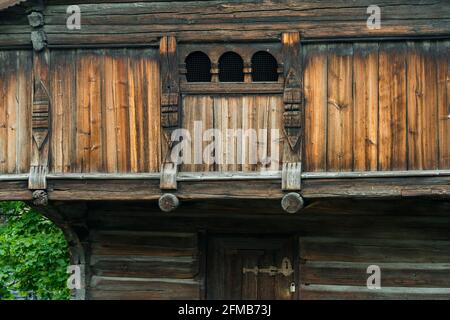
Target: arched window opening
(231, 68)
(198, 67)
(264, 67)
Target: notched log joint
(36, 21)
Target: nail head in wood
(168, 202)
(292, 202)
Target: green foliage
(33, 254)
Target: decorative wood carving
(170, 92)
(40, 122)
(291, 176)
(293, 115)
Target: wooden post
(170, 92)
(41, 107)
(293, 115)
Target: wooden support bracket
(168, 176)
(291, 176)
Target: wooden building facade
(352, 136)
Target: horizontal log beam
(242, 186)
(126, 22)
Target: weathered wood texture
(160, 257)
(143, 265)
(16, 87)
(368, 106)
(376, 106)
(254, 116)
(126, 22)
(105, 111)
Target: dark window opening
(198, 67)
(264, 67)
(231, 68)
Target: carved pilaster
(293, 115)
(40, 122)
(170, 92)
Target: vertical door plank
(422, 106)
(365, 104)
(392, 153)
(316, 108)
(340, 108)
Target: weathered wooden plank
(340, 111)
(122, 288)
(198, 110)
(121, 107)
(316, 108)
(374, 250)
(392, 150)
(83, 112)
(95, 78)
(152, 117)
(422, 106)
(365, 106)
(109, 130)
(443, 100)
(362, 292)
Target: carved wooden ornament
(293, 114)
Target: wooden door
(251, 268)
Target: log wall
(164, 256)
(122, 22)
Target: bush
(33, 255)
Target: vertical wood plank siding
(369, 106)
(105, 111)
(391, 114)
(15, 111)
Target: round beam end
(168, 202)
(292, 202)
